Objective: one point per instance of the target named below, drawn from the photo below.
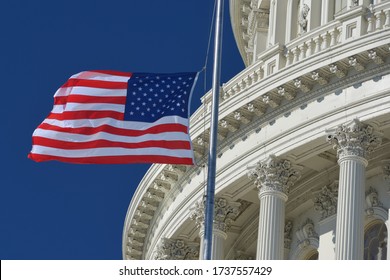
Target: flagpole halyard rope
(204, 70)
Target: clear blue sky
(55, 210)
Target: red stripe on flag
(172, 145)
(78, 115)
(95, 84)
(114, 159)
(115, 130)
(76, 98)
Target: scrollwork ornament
(176, 249)
(274, 175)
(225, 213)
(325, 201)
(354, 139)
(287, 234)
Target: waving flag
(113, 117)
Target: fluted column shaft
(353, 142)
(217, 249)
(224, 214)
(270, 242)
(350, 209)
(273, 178)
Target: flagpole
(209, 211)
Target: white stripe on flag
(90, 75)
(90, 91)
(43, 150)
(75, 138)
(131, 125)
(72, 107)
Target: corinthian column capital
(354, 139)
(274, 175)
(225, 212)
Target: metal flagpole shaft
(209, 212)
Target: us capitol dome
(303, 169)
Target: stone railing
(351, 25)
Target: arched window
(375, 241)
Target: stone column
(291, 20)
(225, 213)
(277, 22)
(327, 11)
(273, 178)
(386, 177)
(387, 239)
(353, 141)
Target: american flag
(115, 117)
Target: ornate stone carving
(258, 111)
(253, 20)
(354, 139)
(302, 20)
(177, 249)
(372, 200)
(333, 68)
(231, 126)
(240, 117)
(274, 174)
(254, 4)
(315, 75)
(326, 200)
(386, 172)
(287, 234)
(372, 54)
(354, 3)
(240, 255)
(288, 94)
(299, 84)
(225, 213)
(354, 62)
(271, 100)
(306, 234)
(262, 17)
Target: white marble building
(303, 168)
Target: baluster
(370, 19)
(325, 39)
(387, 20)
(317, 42)
(253, 77)
(302, 51)
(296, 54)
(378, 16)
(333, 36)
(288, 58)
(310, 47)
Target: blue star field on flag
(152, 96)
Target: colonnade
(275, 176)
